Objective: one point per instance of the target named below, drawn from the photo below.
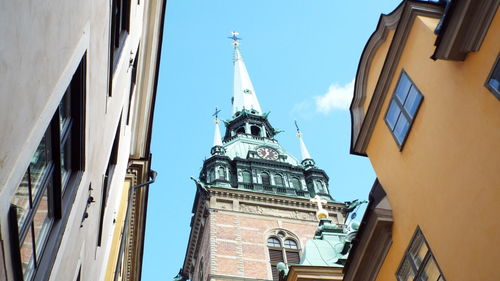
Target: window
(418, 263)
(43, 198)
(296, 184)
(247, 177)
(108, 176)
(133, 80)
(120, 25)
(278, 180)
(222, 173)
(402, 109)
(288, 253)
(493, 82)
(265, 178)
(240, 130)
(255, 131)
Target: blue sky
(302, 57)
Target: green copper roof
(242, 144)
(330, 246)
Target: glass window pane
(65, 110)
(273, 242)
(418, 250)
(430, 272)
(401, 129)
(392, 114)
(42, 222)
(27, 258)
(40, 164)
(405, 272)
(402, 88)
(22, 201)
(290, 244)
(412, 102)
(66, 162)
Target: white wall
(41, 45)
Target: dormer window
(247, 177)
(296, 183)
(278, 180)
(221, 173)
(240, 130)
(255, 131)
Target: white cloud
(337, 97)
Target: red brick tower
(253, 206)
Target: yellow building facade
(426, 111)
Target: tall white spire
(244, 96)
(217, 137)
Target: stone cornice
(273, 200)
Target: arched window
(296, 183)
(221, 173)
(240, 130)
(255, 131)
(288, 253)
(247, 177)
(278, 180)
(265, 178)
(290, 244)
(211, 175)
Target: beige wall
(446, 177)
(42, 44)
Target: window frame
(283, 250)
(107, 179)
(119, 29)
(60, 195)
(496, 65)
(418, 269)
(402, 109)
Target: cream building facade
(77, 91)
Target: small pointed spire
(217, 147)
(244, 96)
(307, 160)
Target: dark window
(108, 176)
(493, 82)
(255, 131)
(402, 109)
(247, 177)
(49, 183)
(296, 183)
(288, 253)
(418, 263)
(265, 178)
(120, 26)
(240, 130)
(278, 180)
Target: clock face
(267, 153)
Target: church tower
(253, 206)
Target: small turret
(217, 148)
(307, 160)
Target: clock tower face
(267, 153)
